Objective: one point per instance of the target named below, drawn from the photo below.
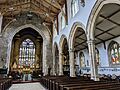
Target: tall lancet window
(115, 53)
(27, 54)
(82, 59)
(74, 7)
(63, 22)
(97, 56)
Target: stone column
(37, 61)
(72, 63)
(1, 18)
(79, 59)
(1, 45)
(44, 59)
(41, 55)
(94, 68)
(54, 62)
(61, 63)
(16, 50)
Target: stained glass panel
(27, 54)
(97, 56)
(114, 52)
(82, 60)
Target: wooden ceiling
(107, 27)
(108, 23)
(46, 9)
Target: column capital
(61, 53)
(71, 50)
(90, 41)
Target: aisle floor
(27, 86)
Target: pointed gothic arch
(94, 15)
(42, 30)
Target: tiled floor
(27, 86)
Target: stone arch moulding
(93, 16)
(72, 33)
(61, 42)
(28, 36)
(10, 31)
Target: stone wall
(11, 29)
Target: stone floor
(27, 86)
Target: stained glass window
(74, 7)
(115, 53)
(82, 60)
(27, 54)
(97, 56)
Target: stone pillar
(1, 46)
(44, 59)
(94, 68)
(37, 61)
(79, 61)
(54, 62)
(41, 55)
(61, 63)
(1, 18)
(72, 63)
(16, 50)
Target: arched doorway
(19, 24)
(27, 52)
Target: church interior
(59, 44)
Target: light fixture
(82, 3)
(29, 14)
(11, 8)
(44, 24)
(46, 14)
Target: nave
(64, 44)
(27, 86)
(63, 83)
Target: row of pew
(5, 83)
(77, 83)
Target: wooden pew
(82, 83)
(54, 83)
(5, 83)
(96, 86)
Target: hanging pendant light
(83, 3)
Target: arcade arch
(103, 25)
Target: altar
(27, 77)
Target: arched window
(74, 7)
(97, 56)
(115, 53)
(82, 60)
(27, 54)
(63, 21)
